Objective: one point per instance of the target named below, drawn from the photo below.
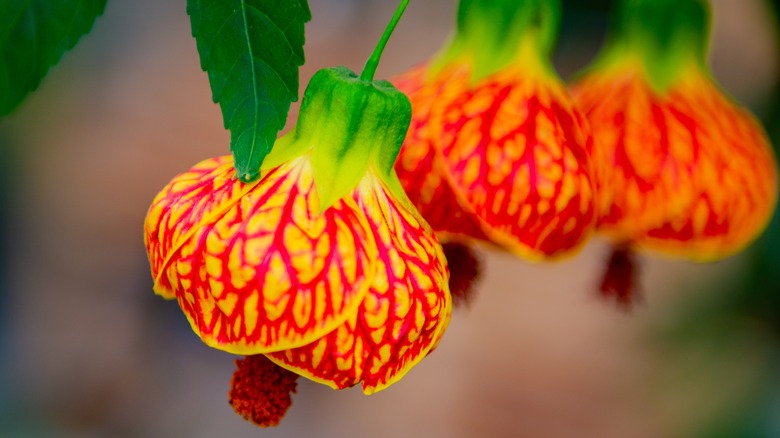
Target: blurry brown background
(87, 350)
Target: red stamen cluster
(465, 272)
(260, 390)
(618, 284)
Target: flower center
(260, 390)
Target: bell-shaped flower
(682, 169)
(322, 265)
(497, 151)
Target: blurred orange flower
(681, 168)
(497, 151)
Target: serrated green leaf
(34, 34)
(251, 50)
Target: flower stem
(373, 61)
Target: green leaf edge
(7, 108)
(245, 169)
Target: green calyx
(667, 36)
(493, 33)
(348, 124)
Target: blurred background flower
(87, 349)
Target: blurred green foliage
(744, 316)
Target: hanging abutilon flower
(497, 152)
(682, 169)
(322, 267)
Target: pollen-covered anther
(465, 272)
(260, 390)
(618, 283)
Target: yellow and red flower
(322, 265)
(681, 168)
(355, 293)
(497, 151)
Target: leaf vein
(14, 21)
(218, 31)
(254, 83)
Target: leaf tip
(246, 176)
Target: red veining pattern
(513, 153)
(357, 293)
(686, 172)
(519, 152)
(402, 317)
(207, 187)
(421, 169)
(257, 268)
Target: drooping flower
(497, 151)
(682, 169)
(322, 265)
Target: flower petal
(518, 151)
(401, 319)
(416, 305)
(421, 169)
(268, 272)
(191, 198)
(686, 172)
